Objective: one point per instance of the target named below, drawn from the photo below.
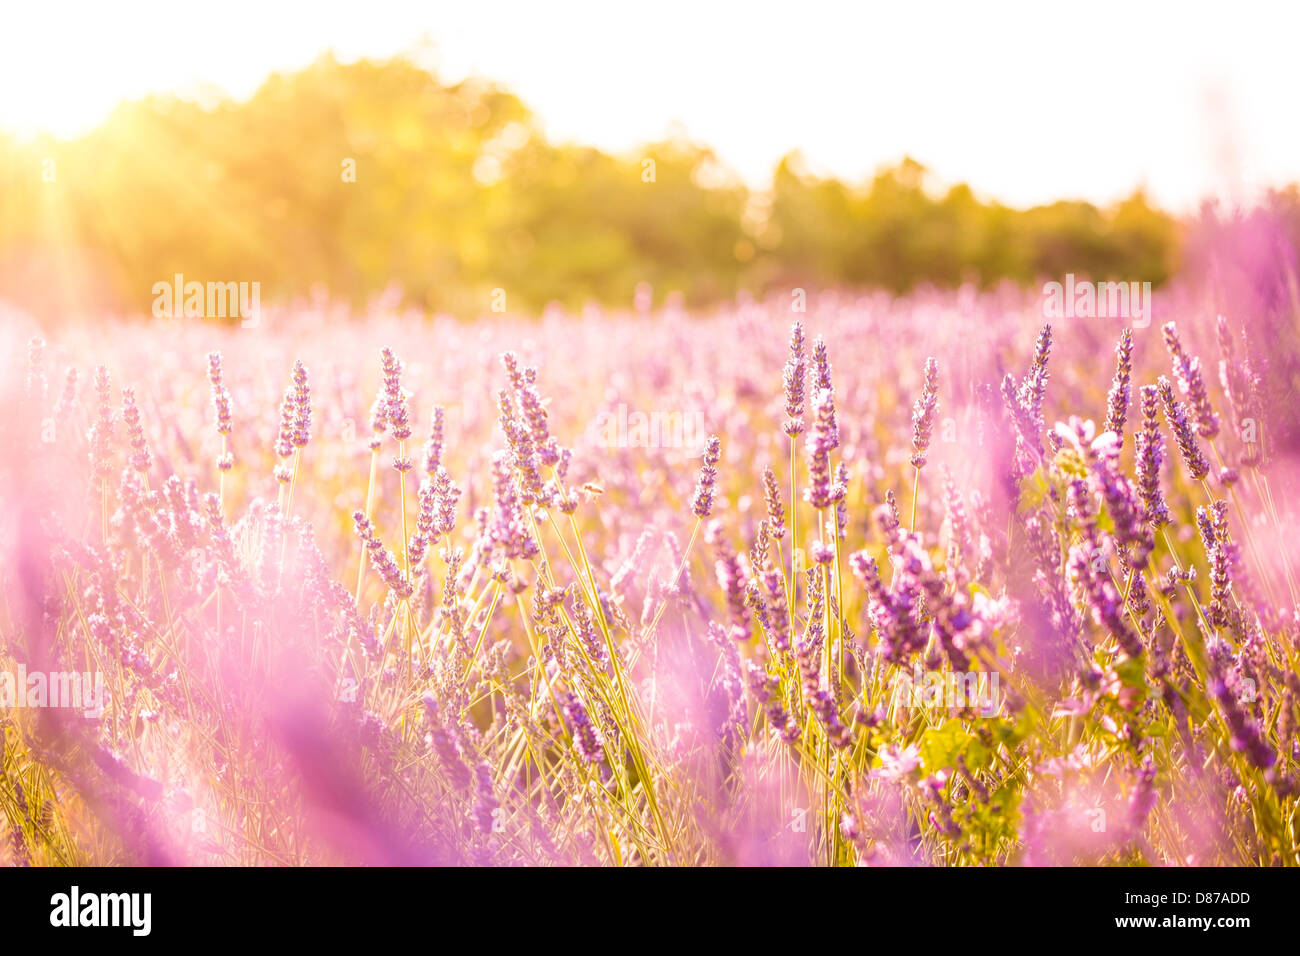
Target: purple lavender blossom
(777, 619)
(923, 413)
(795, 378)
(486, 806)
(433, 447)
(1143, 800)
(1033, 389)
(1212, 523)
(1149, 453)
(446, 494)
(301, 406)
(766, 690)
(1087, 565)
(1176, 414)
(1192, 383)
(772, 501)
(220, 396)
(424, 525)
(840, 495)
(731, 579)
(522, 449)
(1245, 734)
(445, 746)
(532, 410)
(818, 447)
(288, 417)
(140, 456)
(702, 505)
(381, 559)
(1117, 400)
(586, 738)
(822, 383)
(395, 414)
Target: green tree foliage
(457, 193)
(895, 234)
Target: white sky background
(1027, 102)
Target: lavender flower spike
(1184, 433)
(586, 738)
(140, 457)
(820, 493)
(1118, 399)
(795, 378)
(1149, 447)
(822, 379)
(731, 579)
(220, 396)
(1192, 383)
(433, 447)
(302, 406)
(395, 412)
(702, 506)
(772, 500)
(923, 413)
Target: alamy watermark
(68, 690)
(621, 428)
(1098, 300)
(978, 690)
(134, 911)
(215, 300)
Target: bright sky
(1028, 102)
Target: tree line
(375, 177)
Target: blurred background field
(374, 178)
(451, 156)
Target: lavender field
(925, 579)
(585, 435)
